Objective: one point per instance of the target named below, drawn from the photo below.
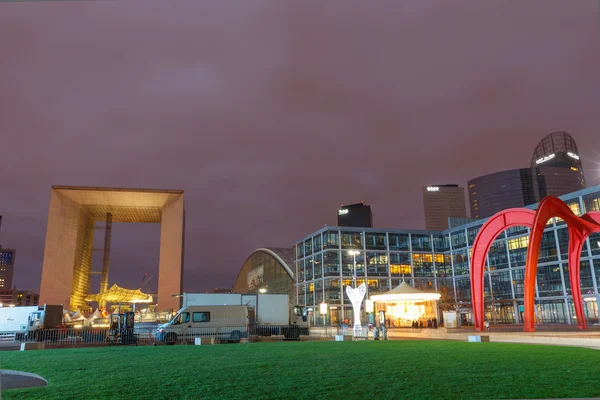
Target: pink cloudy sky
(270, 114)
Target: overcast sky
(271, 114)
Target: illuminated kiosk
(404, 304)
(72, 217)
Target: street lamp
(262, 290)
(354, 253)
(323, 311)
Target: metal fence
(150, 335)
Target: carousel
(405, 305)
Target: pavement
(10, 379)
(588, 339)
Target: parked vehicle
(224, 322)
(269, 314)
(28, 321)
(15, 319)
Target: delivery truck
(26, 321)
(269, 314)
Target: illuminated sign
(544, 159)
(573, 155)
(343, 211)
(433, 189)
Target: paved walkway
(590, 339)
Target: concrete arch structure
(72, 215)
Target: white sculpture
(356, 296)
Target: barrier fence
(151, 335)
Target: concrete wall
(59, 253)
(170, 267)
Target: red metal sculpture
(488, 232)
(579, 229)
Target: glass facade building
(555, 170)
(440, 262)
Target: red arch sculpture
(579, 229)
(484, 239)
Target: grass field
(312, 370)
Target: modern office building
(14, 297)
(440, 261)
(7, 267)
(491, 193)
(441, 202)
(555, 170)
(357, 215)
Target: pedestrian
(429, 323)
(435, 325)
(389, 322)
(420, 324)
(487, 325)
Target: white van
(223, 322)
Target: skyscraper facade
(441, 202)
(358, 215)
(555, 169)
(7, 266)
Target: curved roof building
(269, 269)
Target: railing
(145, 335)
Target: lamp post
(323, 311)
(354, 253)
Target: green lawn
(312, 370)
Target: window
(443, 265)
(423, 265)
(441, 242)
(498, 258)
(461, 263)
(399, 242)
(421, 242)
(331, 263)
(472, 234)
(351, 240)
(317, 244)
(377, 264)
(549, 280)
(201, 316)
(459, 239)
(400, 264)
(376, 241)
(182, 318)
(308, 247)
(317, 266)
(592, 202)
(348, 264)
(331, 240)
(548, 250)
